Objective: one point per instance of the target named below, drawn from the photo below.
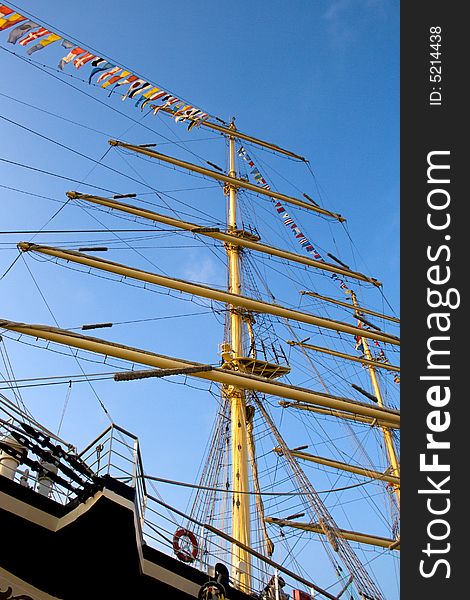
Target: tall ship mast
(297, 494)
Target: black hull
(90, 549)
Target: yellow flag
(44, 42)
(12, 20)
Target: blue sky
(319, 77)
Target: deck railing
(116, 453)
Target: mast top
(228, 130)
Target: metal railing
(116, 453)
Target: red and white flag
(82, 60)
(71, 56)
(33, 35)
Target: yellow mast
(389, 445)
(241, 560)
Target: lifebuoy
(184, 555)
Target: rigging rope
(105, 410)
(321, 515)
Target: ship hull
(87, 549)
